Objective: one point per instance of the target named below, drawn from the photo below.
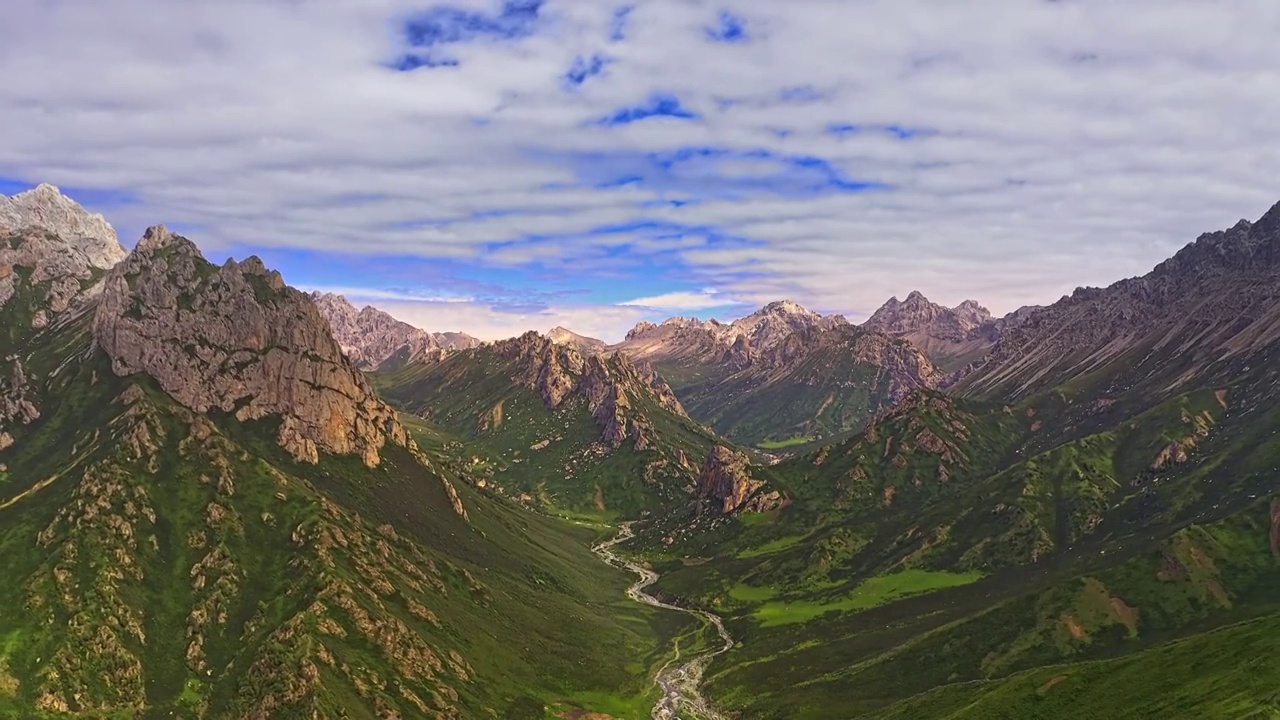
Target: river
(678, 680)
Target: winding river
(679, 680)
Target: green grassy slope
(555, 457)
(161, 563)
(818, 385)
(957, 541)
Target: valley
(223, 497)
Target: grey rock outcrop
(236, 339)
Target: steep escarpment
(236, 339)
(812, 384)
(558, 372)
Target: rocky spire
(236, 339)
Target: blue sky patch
(427, 31)
(729, 28)
(707, 173)
(658, 105)
(585, 67)
(621, 19)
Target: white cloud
(361, 293)
(606, 322)
(1074, 142)
(702, 300)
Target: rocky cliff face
(370, 336)
(608, 384)
(725, 485)
(53, 245)
(1212, 301)
(236, 339)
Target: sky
(494, 166)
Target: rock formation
(725, 485)
(371, 337)
(57, 246)
(236, 339)
(608, 384)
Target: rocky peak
(46, 208)
(917, 314)
(609, 384)
(773, 323)
(66, 248)
(565, 336)
(236, 339)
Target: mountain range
(224, 497)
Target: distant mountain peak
(372, 337)
(786, 307)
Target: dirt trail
(680, 683)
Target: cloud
(1004, 151)
(608, 323)
(363, 293)
(701, 300)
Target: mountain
(1097, 496)
(782, 375)
(567, 430)
(205, 511)
(371, 337)
(581, 343)
(952, 337)
(55, 249)
(1200, 314)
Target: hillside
(205, 511)
(1105, 484)
(782, 376)
(595, 433)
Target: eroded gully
(679, 683)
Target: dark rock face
(235, 338)
(725, 485)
